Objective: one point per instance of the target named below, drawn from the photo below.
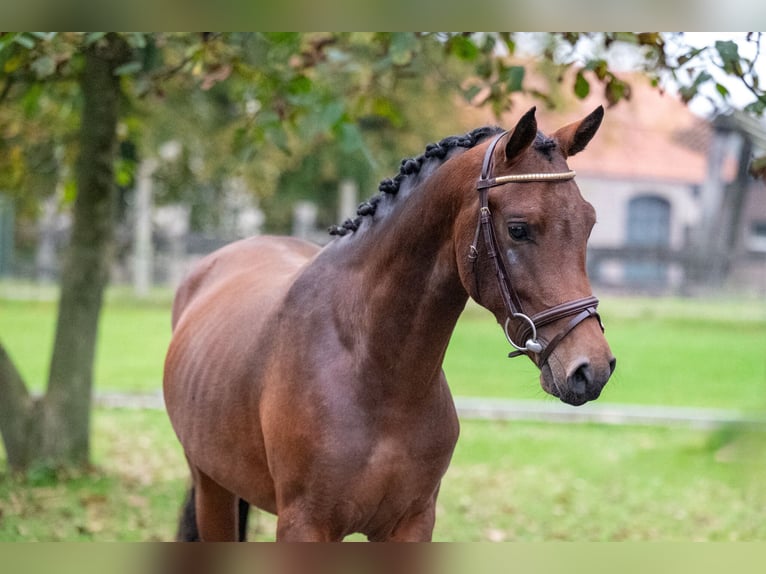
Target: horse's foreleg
(216, 510)
(417, 527)
(297, 526)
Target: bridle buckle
(532, 345)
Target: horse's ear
(574, 137)
(522, 136)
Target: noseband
(578, 309)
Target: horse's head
(525, 261)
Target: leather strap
(582, 308)
(576, 320)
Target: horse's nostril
(580, 378)
(612, 365)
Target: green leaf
(513, 78)
(44, 36)
(349, 137)
(599, 67)
(687, 93)
(129, 68)
(123, 174)
(30, 102)
(463, 47)
(509, 42)
(757, 107)
(722, 90)
(70, 192)
(13, 63)
(330, 115)
(484, 68)
(649, 38)
(137, 40)
(616, 90)
(385, 108)
(581, 87)
(690, 56)
(276, 135)
(93, 37)
(627, 37)
(729, 52)
(25, 41)
(300, 85)
(488, 46)
(702, 78)
(471, 92)
(402, 49)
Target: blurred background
(124, 158)
(224, 136)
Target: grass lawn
(705, 353)
(133, 339)
(508, 481)
(682, 352)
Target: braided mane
(435, 154)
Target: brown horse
(308, 382)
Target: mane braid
(409, 168)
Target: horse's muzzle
(583, 382)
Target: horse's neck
(406, 291)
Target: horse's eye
(518, 231)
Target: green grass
(707, 353)
(133, 492)
(536, 481)
(133, 339)
(507, 481)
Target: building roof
(653, 136)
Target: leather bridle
(578, 309)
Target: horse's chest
(398, 478)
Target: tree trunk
(55, 430)
(66, 410)
(15, 412)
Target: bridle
(578, 309)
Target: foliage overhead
(242, 102)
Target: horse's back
(263, 263)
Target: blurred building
(677, 210)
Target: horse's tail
(187, 525)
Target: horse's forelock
(545, 145)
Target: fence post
(304, 219)
(6, 235)
(347, 199)
(143, 260)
